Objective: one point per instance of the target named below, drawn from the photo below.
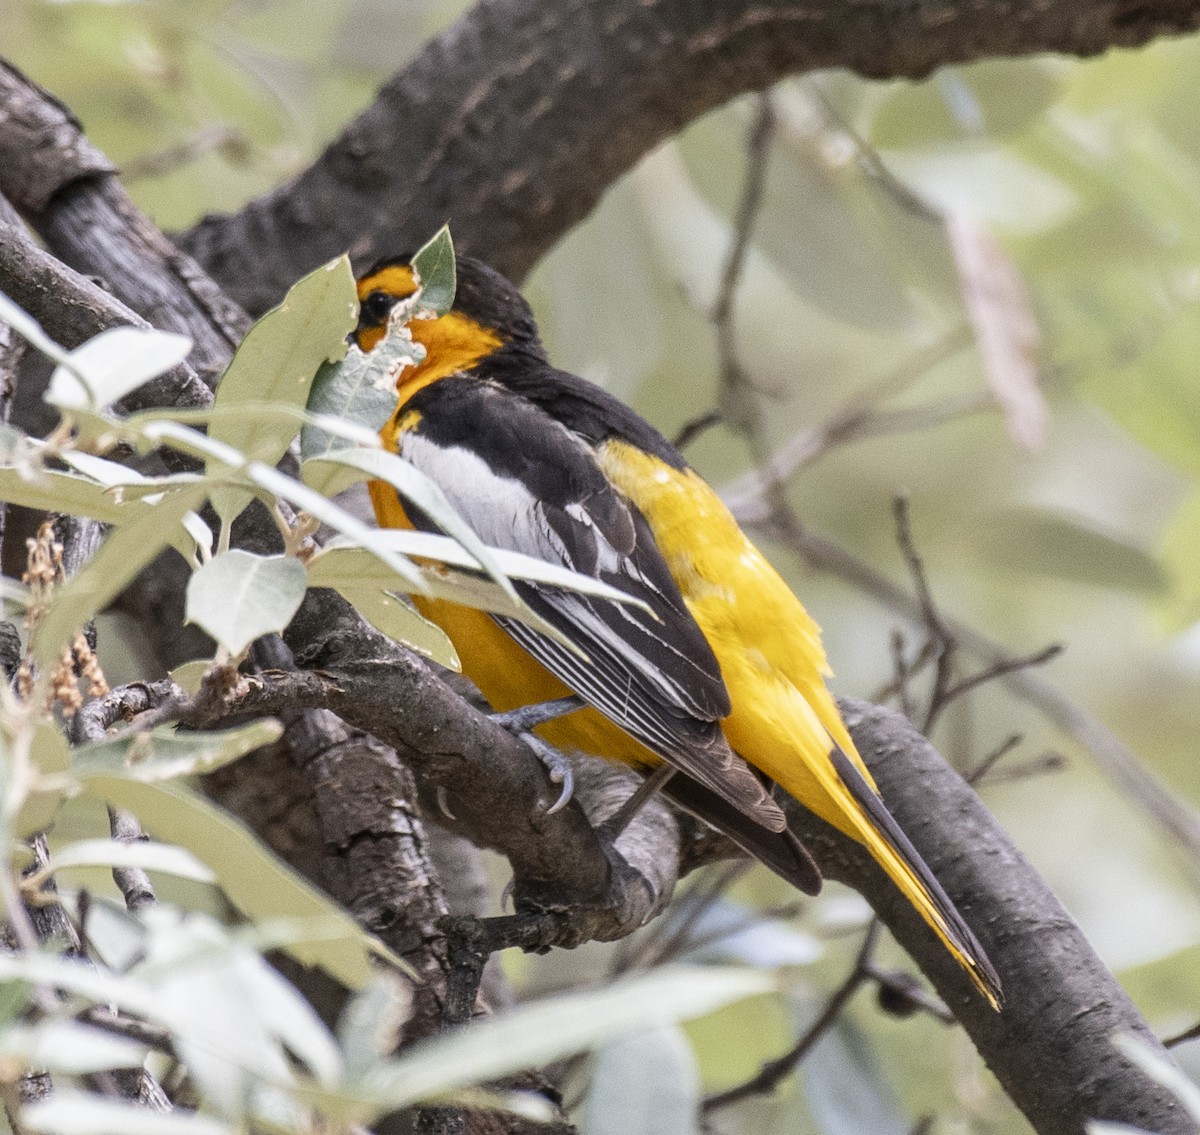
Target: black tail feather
(781, 851)
(964, 938)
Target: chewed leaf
(436, 273)
(361, 389)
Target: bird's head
(488, 311)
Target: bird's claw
(520, 723)
(557, 767)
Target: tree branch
(1051, 1046)
(515, 121)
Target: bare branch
(774, 1072)
(522, 114)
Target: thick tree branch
(70, 191)
(1051, 1046)
(514, 122)
(1054, 1070)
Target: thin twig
(977, 775)
(1111, 754)
(1181, 1038)
(871, 163)
(999, 670)
(774, 1072)
(940, 639)
(758, 150)
(859, 417)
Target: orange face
(453, 342)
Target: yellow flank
(771, 657)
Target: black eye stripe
(374, 309)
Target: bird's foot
(518, 721)
(521, 722)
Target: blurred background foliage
(1089, 175)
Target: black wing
(527, 484)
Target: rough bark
(513, 123)
(517, 119)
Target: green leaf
(257, 882)
(353, 571)
(400, 622)
(68, 1112)
(145, 854)
(49, 491)
(239, 596)
(278, 359)
(51, 760)
(229, 502)
(435, 269)
(338, 561)
(189, 675)
(126, 550)
(416, 487)
(71, 1048)
(556, 1027)
(337, 518)
(847, 1090)
(645, 1084)
(360, 391)
(166, 753)
(1179, 606)
(1065, 546)
(106, 368)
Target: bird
(718, 670)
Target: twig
(871, 163)
(941, 641)
(153, 1036)
(977, 775)
(1111, 754)
(999, 669)
(1051, 761)
(132, 882)
(1182, 1038)
(758, 149)
(774, 1072)
(858, 416)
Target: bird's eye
(374, 309)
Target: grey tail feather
(959, 932)
(781, 851)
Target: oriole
(729, 671)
